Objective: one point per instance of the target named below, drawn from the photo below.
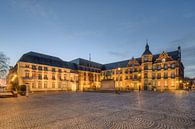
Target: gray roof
(38, 58)
(173, 54)
(87, 63)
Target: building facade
(40, 72)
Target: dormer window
(172, 65)
(165, 66)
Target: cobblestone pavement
(147, 110)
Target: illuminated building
(40, 72)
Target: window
(165, 75)
(33, 85)
(45, 68)
(59, 85)
(153, 76)
(53, 77)
(59, 70)
(39, 76)
(33, 74)
(39, 85)
(159, 67)
(131, 70)
(172, 74)
(45, 84)
(158, 75)
(33, 67)
(145, 58)
(145, 75)
(45, 77)
(40, 68)
(26, 66)
(53, 84)
(153, 67)
(27, 74)
(126, 71)
(172, 65)
(165, 66)
(65, 77)
(145, 67)
(53, 69)
(126, 78)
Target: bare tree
(4, 65)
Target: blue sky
(111, 30)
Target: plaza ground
(90, 110)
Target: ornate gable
(163, 57)
(133, 62)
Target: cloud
(35, 8)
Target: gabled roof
(38, 58)
(173, 54)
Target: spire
(147, 49)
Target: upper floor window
(40, 68)
(53, 77)
(154, 67)
(158, 67)
(153, 75)
(53, 69)
(59, 70)
(165, 75)
(26, 66)
(146, 67)
(145, 58)
(165, 66)
(45, 77)
(172, 65)
(39, 76)
(172, 75)
(45, 68)
(33, 67)
(158, 75)
(27, 74)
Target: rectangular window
(53, 84)
(53, 69)
(33, 67)
(39, 76)
(40, 68)
(45, 68)
(33, 85)
(39, 85)
(45, 84)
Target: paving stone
(69, 110)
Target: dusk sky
(111, 30)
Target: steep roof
(38, 58)
(173, 54)
(84, 62)
(147, 50)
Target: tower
(146, 81)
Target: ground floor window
(45, 84)
(39, 84)
(53, 84)
(33, 85)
